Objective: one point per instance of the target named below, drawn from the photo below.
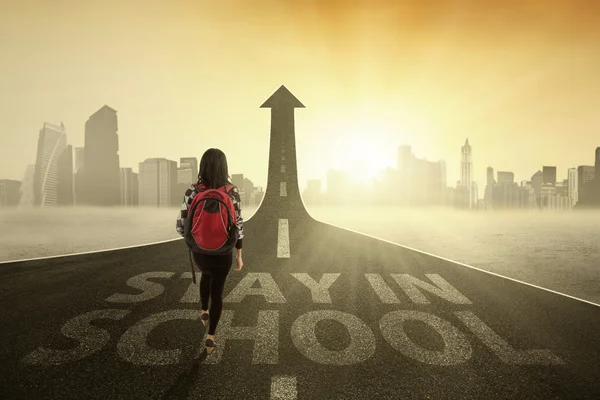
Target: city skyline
(399, 73)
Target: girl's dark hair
(213, 169)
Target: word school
(133, 345)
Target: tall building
(129, 187)
(585, 179)
(79, 158)
(9, 193)
(187, 173)
(52, 142)
(596, 184)
(190, 163)
(65, 187)
(536, 183)
(26, 190)
(488, 195)
(338, 186)
(573, 191)
(238, 181)
(466, 170)
(549, 175)
(101, 162)
(506, 177)
(416, 181)
(158, 183)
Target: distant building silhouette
(488, 195)
(536, 183)
(101, 161)
(129, 183)
(158, 183)
(549, 175)
(52, 142)
(187, 173)
(573, 190)
(313, 192)
(338, 187)
(9, 193)
(416, 181)
(249, 193)
(585, 179)
(65, 187)
(238, 181)
(596, 183)
(506, 177)
(466, 171)
(26, 190)
(78, 178)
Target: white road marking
(283, 239)
(283, 189)
(284, 388)
(283, 168)
(282, 158)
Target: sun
(362, 155)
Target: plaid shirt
(234, 193)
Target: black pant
(214, 273)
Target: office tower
(65, 187)
(158, 182)
(101, 161)
(26, 190)
(9, 193)
(466, 168)
(595, 195)
(249, 192)
(418, 181)
(190, 163)
(549, 175)
(52, 142)
(573, 187)
(585, 180)
(404, 168)
(187, 173)
(488, 195)
(536, 183)
(79, 158)
(238, 181)
(312, 193)
(505, 177)
(129, 187)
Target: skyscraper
(506, 177)
(101, 162)
(52, 142)
(488, 195)
(188, 170)
(9, 193)
(585, 180)
(573, 191)
(129, 187)
(66, 196)
(27, 193)
(549, 175)
(466, 168)
(158, 182)
(596, 185)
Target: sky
(519, 78)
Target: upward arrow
(282, 98)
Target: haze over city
(517, 78)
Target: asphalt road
(318, 312)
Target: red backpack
(211, 224)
